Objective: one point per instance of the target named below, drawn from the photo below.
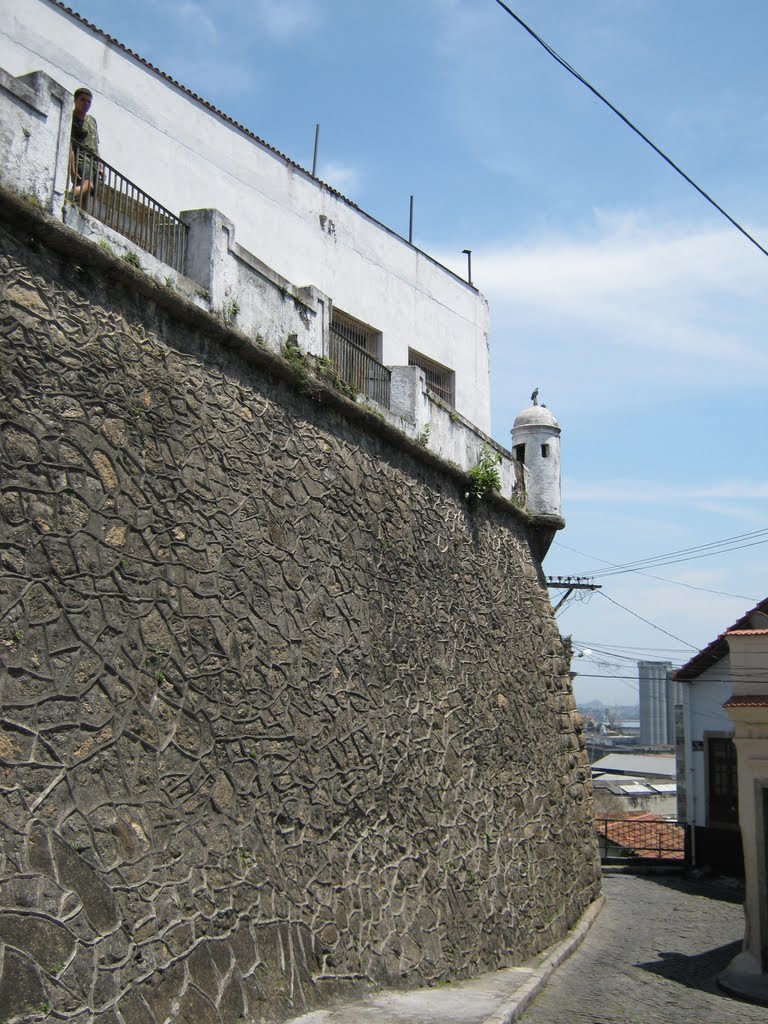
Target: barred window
(360, 334)
(440, 380)
(354, 349)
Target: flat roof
(638, 764)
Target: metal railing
(438, 379)
(358, 368)
(623, 840)
(106, 194)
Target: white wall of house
(748, 709)
(705, 716)
(188, 157)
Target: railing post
(206, 250)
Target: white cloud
(343, 177)
(745, 514)
(648, 492)
(194, 19)
(282, 19)
(211, 21)
(617, 314)
(649, 288)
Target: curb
(540, 975)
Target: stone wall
(281, 712)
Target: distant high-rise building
(658, 695)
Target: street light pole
(469, 265)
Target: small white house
(707, 761)
(747, 706)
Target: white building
(708, 787)
(747, 706)
(400, 304)
(659, 694)
(215, 214)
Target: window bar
(121, 203)
(107, 190)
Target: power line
(631, 647)
(643, 562)
(697, 551)
(692, 586)
(740, 678)
(620, 657)
(648, 622)
(564, 63)
(690, 558)
(664, 579)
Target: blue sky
(637, 310)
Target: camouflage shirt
(85, 134)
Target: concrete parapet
(245, 291)
(35, 126)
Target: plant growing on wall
(327, 371)
(422, 438)
(230, 311)
(484, 477)
(133, 259)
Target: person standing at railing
(84, 166)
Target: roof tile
(712, 653)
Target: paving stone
(651, 957)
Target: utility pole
(569, 584)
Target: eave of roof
(199, 99)
(746, 700)
(251, 135)
(713, 652)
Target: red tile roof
(645, 835)
(746, 700)
(718, 649)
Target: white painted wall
(34, 137)
(749, 659)
(537, 429)
(188, 157)
(751, 738)
(705, 715)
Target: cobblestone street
(651, 958)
